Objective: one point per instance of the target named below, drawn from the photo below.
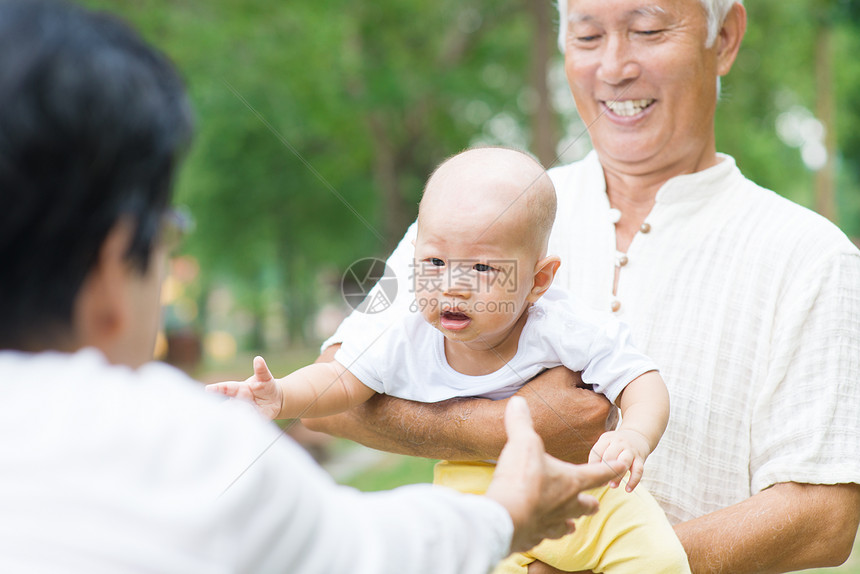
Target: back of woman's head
(92, 125)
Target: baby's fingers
(246, 394)
(230, 389)
(619, 453)
(637, 469)
(596, 453)
(626, 456)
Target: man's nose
(619, 64)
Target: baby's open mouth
(454, 320)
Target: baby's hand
(628, 446)
(261, 389)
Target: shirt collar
(688, 187)
(700, 185)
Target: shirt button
(645, 228)
(616, 306)
(614, 215)
(623, 260)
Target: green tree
(798, 57)
(319, 121)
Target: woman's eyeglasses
(176, 224)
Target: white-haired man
(750, 304)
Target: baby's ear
(544, 274)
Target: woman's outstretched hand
(541, 493)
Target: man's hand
(568, 416)
(261, 389)
(627, 447)
(542, 494)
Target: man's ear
(729, 38)
(102, 309)
(544, 274)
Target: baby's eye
(436, 261)
(482, 267)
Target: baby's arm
(644, 405)
(320, 390)
(317, 390)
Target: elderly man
(113, 464)
(750, 304)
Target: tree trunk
(387, 179)
(257, 339)
(298, 302)
(825, 178)
(543, 120)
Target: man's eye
(436, 261)
(584, 34)
(648, 32)
(483, 267)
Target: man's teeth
(628, 108)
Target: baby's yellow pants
(628, 535)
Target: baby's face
(472, 274)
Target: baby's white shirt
(406, 359)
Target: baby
(489, 321)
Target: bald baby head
(492, 191)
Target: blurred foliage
(319, 120)
(775, 73)
(393, 471)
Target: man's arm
(784, 528)
(568, 418)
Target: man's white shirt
(407, 360)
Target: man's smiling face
(643, 79)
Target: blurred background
(319, 120)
